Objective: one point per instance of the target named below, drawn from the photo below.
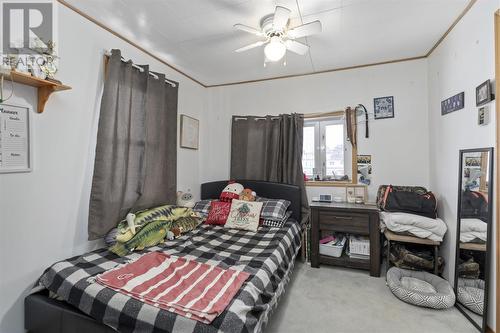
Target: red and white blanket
(191, 289)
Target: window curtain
(136, 156)
(269, 148)
(352, 128)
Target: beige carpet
(337, 300)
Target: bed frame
(46, 315)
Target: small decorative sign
(15, 139)
(483, 115)
(383, 107)
(453, 103)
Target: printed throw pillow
(218, 213)
(244, 215)
(274, 209)
(202, 207)
(276, 223)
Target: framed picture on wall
(190, 129)
(483, 93)
(383, 107)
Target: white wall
(462, 61)
(44, 213)
(399, 146)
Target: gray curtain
(269, 148)
(136, 157)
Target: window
(323, 154)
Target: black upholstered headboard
(269, 190)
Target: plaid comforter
(267, 255)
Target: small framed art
(483, 93)
(483, 115)
(383, 107)
(453, 103)
(190, 128)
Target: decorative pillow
(244, 215)
(202, 207)
(276, 223)
(274, 209)
(219, 211)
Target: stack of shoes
(406, 257)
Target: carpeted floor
(337, 300)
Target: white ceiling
(197, 36)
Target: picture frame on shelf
(483, 93)
(189, 134)
(383, 107)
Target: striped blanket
(186, 287)
(267, 255)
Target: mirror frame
(487, 269)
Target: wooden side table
(350, 219)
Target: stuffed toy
(247, 195)
(231, 191)
(185, 199)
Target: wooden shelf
(473, 246)
(45, 87)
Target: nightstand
(348, 219)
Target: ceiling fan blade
(296, 47)
(307, 29)
(248, 29)
(281, 16)
(250, 46)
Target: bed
(84, 306)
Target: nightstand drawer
(335, 221)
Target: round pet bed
(420, 288)
(470, 294)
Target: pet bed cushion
(471, 294)
(420, 288)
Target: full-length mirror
(474, 219)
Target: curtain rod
(172, 83)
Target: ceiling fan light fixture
(275, 50)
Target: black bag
(474, 205)
(410, 202)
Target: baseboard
(489, 330)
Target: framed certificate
(15, 139)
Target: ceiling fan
(277, 36)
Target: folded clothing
(473, 230)
(186, 287)
(419, 226)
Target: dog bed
(470, 294)
(420, 288)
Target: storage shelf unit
(45, 87)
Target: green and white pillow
(244, 215)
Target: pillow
(244, 215)
(276, 223)
(218, 213)
(274, 209)
(202, 207)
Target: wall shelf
(45, 87)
